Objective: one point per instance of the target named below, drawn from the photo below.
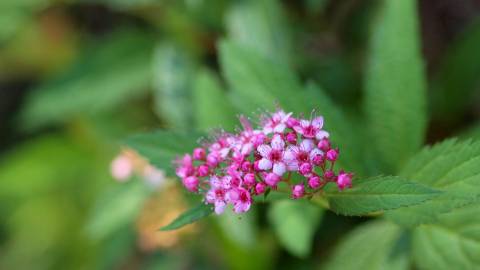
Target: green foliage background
(81, 79)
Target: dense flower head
(233, 168)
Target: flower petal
(277, 142)
(315, 152)
(279, 168)
(279, 128)
(219, 207)
(291, 153)
(264, 150)
(318, 122)
(321, 134)
(264, 164)
(307, 145)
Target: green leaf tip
(200, 211)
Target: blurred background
(78, 76)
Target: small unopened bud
(260, 188)
(344, 180)
(305, 168)
(317, 160)
(332, 154)
(324, 144)
(272, 179)
(199, 154)
(329, 175)
(298, 191)
(249, 180)
(314, 182)
(291, 138)
(191, 183)
(203, 170)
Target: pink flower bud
(314, 182)
(191, 183)
(272, 179)
(317, 160)
(332, 154)
(203, 170)
(247, 166)
(249, 179)
(255, 166)
(324, 144)
(298, 191)
(259, 139)
(212, 160)
(291, 137)
(329, 175)
(260, 188)
(344, 180)
(305, 168)
(199, 154)
(292, 122)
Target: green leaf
(190, 216)
(162, 147)
(117, 208)
(41, 165)
(375, 245)
(259, 83)
(240, 229)
(377, 194)
(294, 223)
(260, 25)
(452, 167)
(454, 85)
(107, 74)
(451, 243)
(173, 72)
(340, 127)
(212, 108)
(15, 15)
(395, 84)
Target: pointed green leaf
(260, 25)
(377, 194)
(340, 127)
(376, 245)
(190, 216)
(452, 167)
(173, 73)
(109, 73)
(259, 83)
(117, 208)
(451, 243)
(160, 148)
(455, 85)
(212, 108)
(395, 84)
(294, 223)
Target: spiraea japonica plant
(422, 205)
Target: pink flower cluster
(233, 168)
